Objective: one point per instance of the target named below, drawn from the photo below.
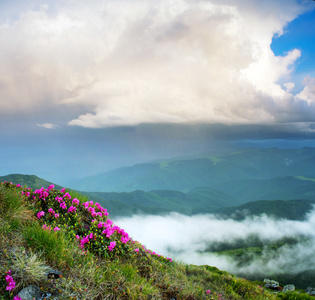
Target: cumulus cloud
(186, 238)
(151, 61)
(47, 125)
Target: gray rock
(30, 293)
(271, 284)
(289, 288)
(310, 291)
(53, 274)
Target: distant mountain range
(214, 171)
(200, 200)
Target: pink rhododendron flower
(84, 241)
(18, 185)
(17, 298)
(50, 187)
(137, 250)
(75, 201)
(45, 194)
(56, 228)
(50, 210)
(72, 209)
(59, 199)
(208, 291)
(45, 227)
(109, 222)
(67, 195)
(85, 204)
(40, 214)
(111, 246)
(56, 216)
(100, 224)
(10, 282)
(63, 205)
(62, 190)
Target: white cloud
(308, 93)
(289, 86)
(47, 125)
(185, 238)
(131, 62)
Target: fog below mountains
(186, 238)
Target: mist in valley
(286, 247)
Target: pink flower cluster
(95, 210)
(84, 240)
(45, 227)
(40, 214)
(111, 246)
(42, 193)
(27, 194)
(153, 253)
(10, 281)
(72, 209)
(91, 209)
(51, 211)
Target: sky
(90, 86)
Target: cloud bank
(186, 238)
(131, 62)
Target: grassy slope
(128, 272)
(30, 181)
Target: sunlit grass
(72, 241)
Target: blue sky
(87, 87)
(299, 34)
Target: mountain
(225, 197)
(284, 188)
(199, 200)
(30, 181)
(204, 171)
(290, 209)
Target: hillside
(200, 200)
(30, 181)
(284, 188)
(204, 171)
(48, 232)
(224, 198)
(290, 209)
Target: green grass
(30, 246)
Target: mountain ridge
(205, 171)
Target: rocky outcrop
(33, 292)
(310, 291)
(272, 284)
(289, 288)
